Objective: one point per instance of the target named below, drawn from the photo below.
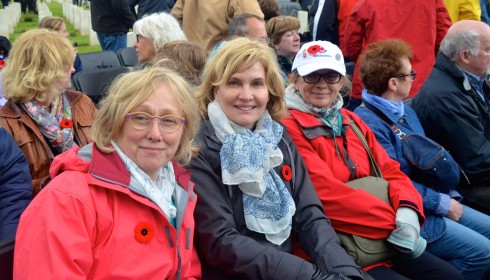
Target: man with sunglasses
(453, 106)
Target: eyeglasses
(412, 75)
(167, 123)
(330, 78)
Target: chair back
(128, 57)
(99, 60)
(7, 259)
(349, 68)
(95, 83)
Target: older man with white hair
(454, 106)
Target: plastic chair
(99, 60)
(7, 259)
(95, 83)
(128, 57)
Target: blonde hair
(50, 22)
(189, 59)
(130, 90)
(228, 58)
(39, 58)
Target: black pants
(28, 4)
(425, 267)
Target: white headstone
(85, 23)
(93, 40)
(131, 39)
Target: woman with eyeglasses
(283, 32)
(454, 232)
(122, 207)
(334, 155)
(254, 191)
(152, 32)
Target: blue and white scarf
(159, 191)
(247, 160)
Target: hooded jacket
(351, 211)
(88, 224)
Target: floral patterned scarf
(56, 124)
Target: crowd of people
(239, 148)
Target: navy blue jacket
(15, 185)
(455, 116)
(434, 226)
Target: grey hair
(453, 44)
(161, 28)
(238, 25)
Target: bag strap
(375, 171)
(393, 126)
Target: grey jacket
(229, 250)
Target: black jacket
(455, 116)
(229, 250)
(111, 16)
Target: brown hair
(277, 26)
(380, 62)
(189, 59)
(50, 22)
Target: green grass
(30, 21)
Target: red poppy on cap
(314, 49)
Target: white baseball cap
(319, 55)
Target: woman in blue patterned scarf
(254, 191)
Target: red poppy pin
(314, 49)
(143, 232)
(287, 174)
(2, 63)
(66, 123)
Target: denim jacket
(436, 204)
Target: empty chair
(95, 83)
(127, 56)
(7, 259)
(99, 60)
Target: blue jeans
(112, 42)
(466, 244)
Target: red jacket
(87, 224)
(352, 211)
(420, 23)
